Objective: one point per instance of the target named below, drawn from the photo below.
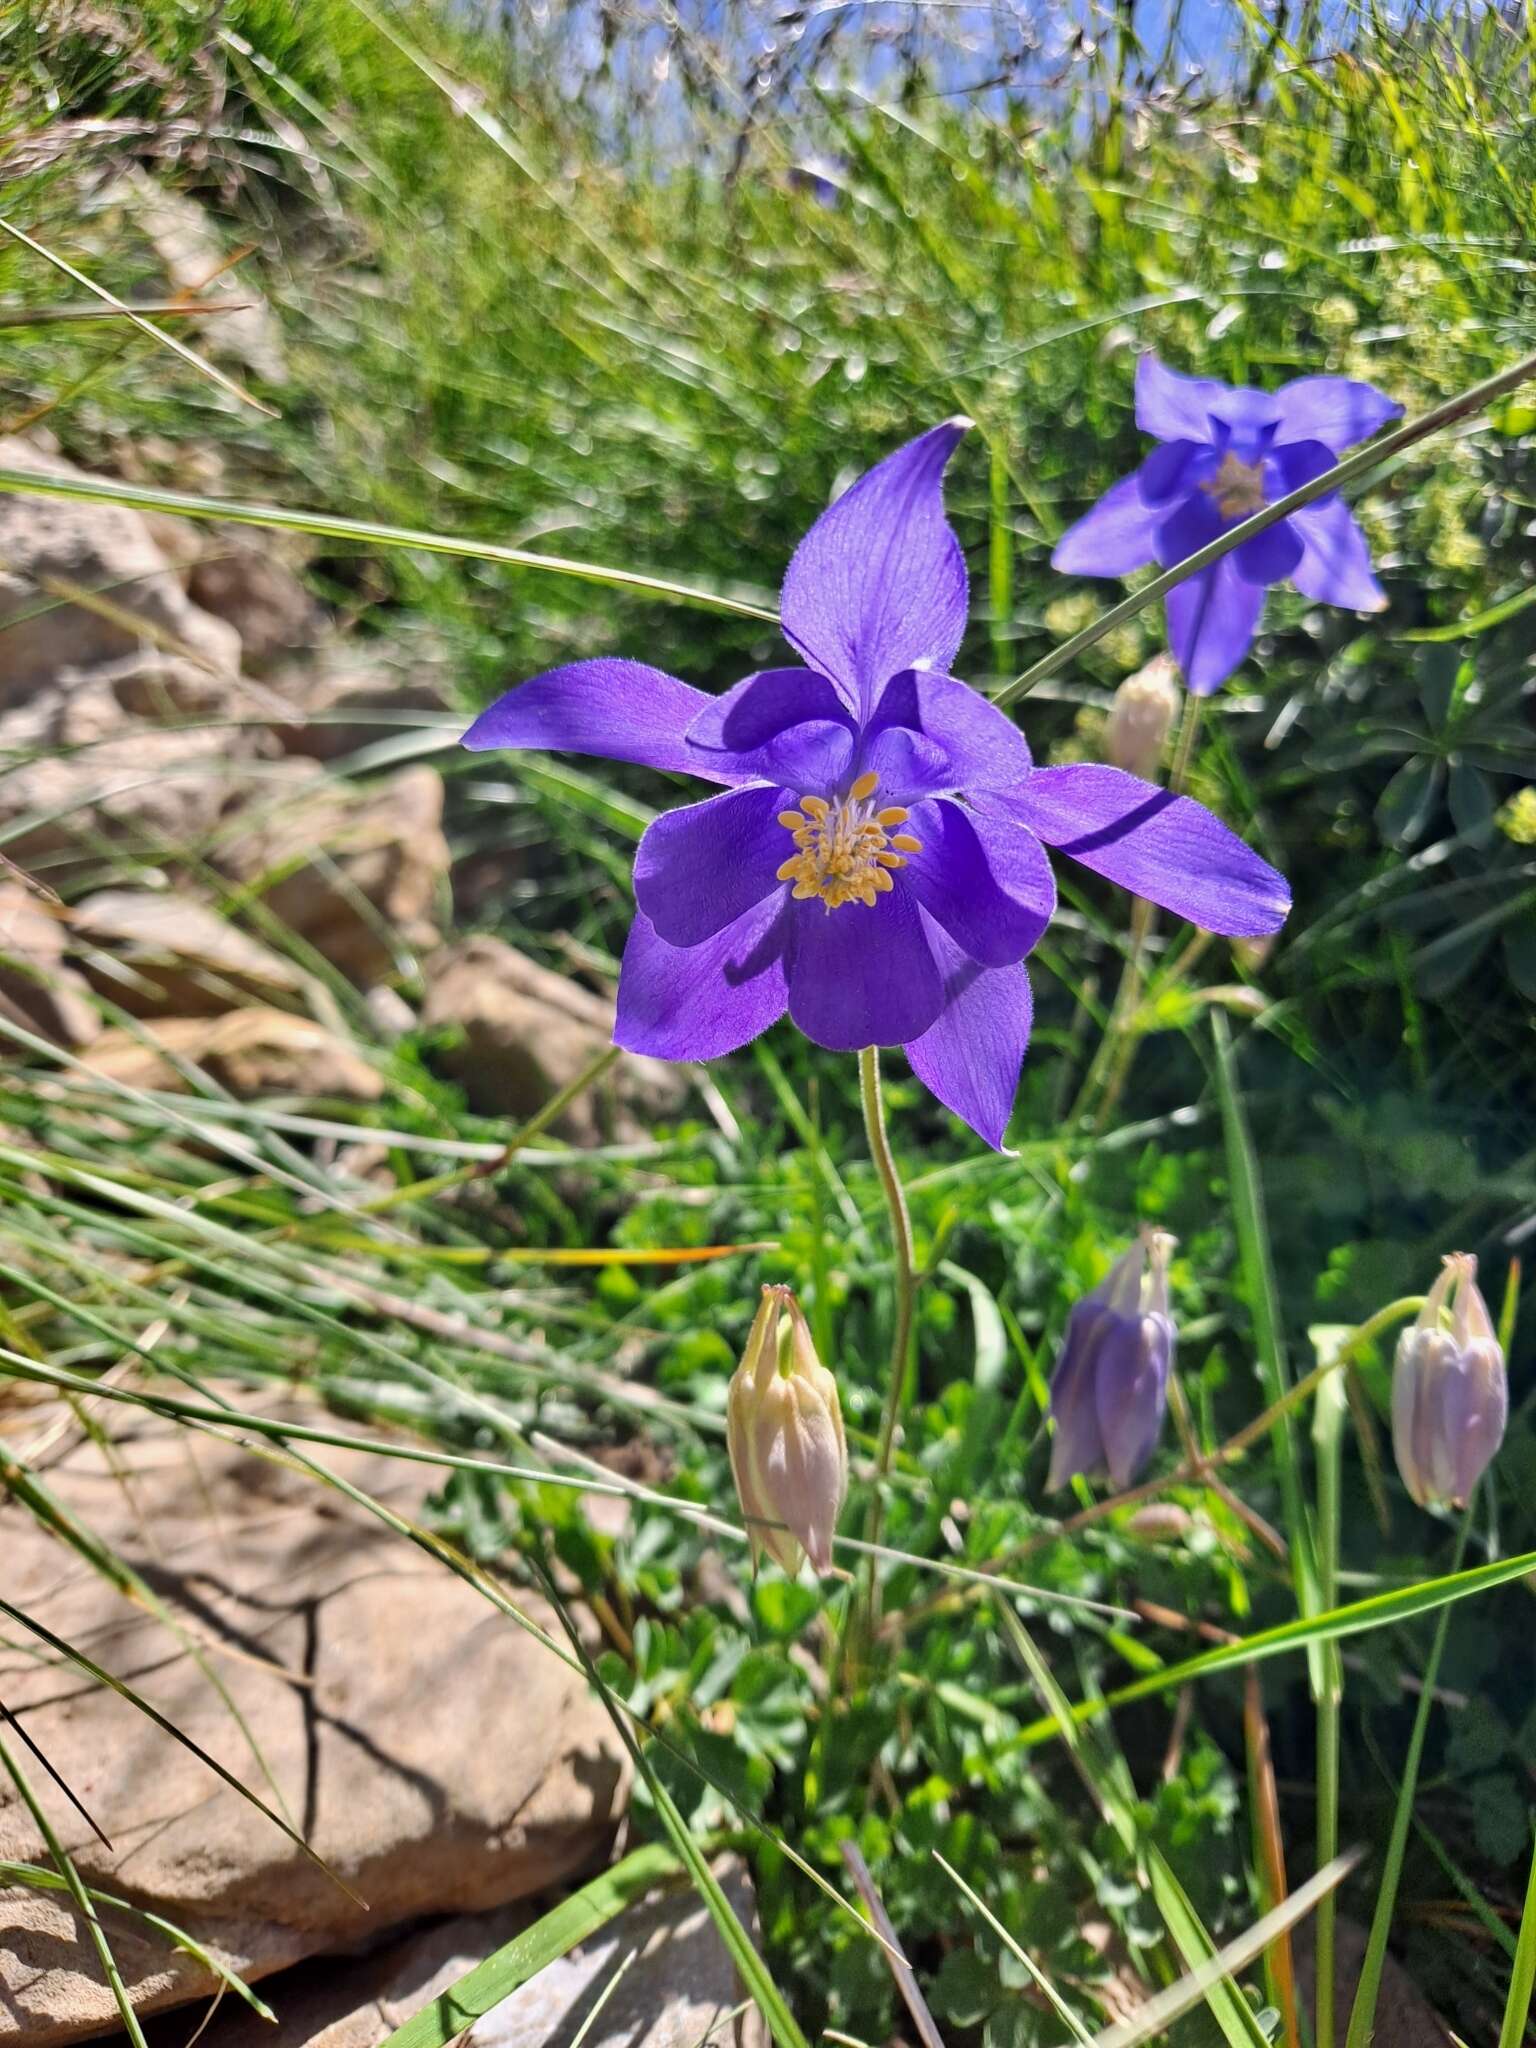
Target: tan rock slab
(526, 1033)
(357, 870)
(435, 1755)
(351, 696)
(679, 1988)
(254, 591)
(83, 582)
(81, 771)
(252, 1052)
(160, 952)
(37, 989)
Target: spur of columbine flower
(1109, 1391)
(876, 864)
(1227, 451)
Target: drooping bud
(1109, 1391)
(1141, 717)
(784, 1430)
(1450, 1397)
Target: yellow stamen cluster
(845, 851)
(1237, 487)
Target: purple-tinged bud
(1109, 1391)
(784, 1430)
(1141, 717)
(1161, 1520)
(1450, 1397)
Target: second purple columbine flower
(1227, 451)
(876, 864)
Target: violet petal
(698, 868)
(697, 1002)
(879, 582)
(970, 1056)
(1167, 848)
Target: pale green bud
(784, 1430)
(1141, 718)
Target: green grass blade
(560, 1930)
(1263, 1302)
(366, 532)
(35, 1878)
(1167, 2006)
(1037, 1976)
(1327, 1433)
(76, 1888)
(1381, 1610)
(1362, 2019)
(136, 319)
(1518, 2007)
(1230, 2010)
(750, 1967)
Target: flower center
(844, 852)
(1237, 487)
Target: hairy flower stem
(906, 1297)
(1111, 1065)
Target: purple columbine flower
(876, 864)
(1227, 452)
(1109, 1391)
(1450, 1397)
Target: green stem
(483, 1169)
(1111, 1065)
(1362, 2019)
(1327, 1436)
(906, 1297)
(1189, 732)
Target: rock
(259, 596)
(675, 1994)
(389, 1013)
(346, 699)
(125, 594)
(37, 990)
(357, 2003)
(254, 1052)
(189, 246)
(76, 769)
(436, 1756)
(527, 1033)
(182, 541)
(355, 869)
(168, 954)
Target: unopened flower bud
(784, 1429)
(1109, 1391)
(1141, 717)
(1450, 1398)
(1161, 1520)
